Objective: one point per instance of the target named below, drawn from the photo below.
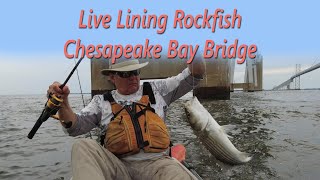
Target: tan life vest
(135, 127)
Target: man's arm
(88, 118)
(174, 87)
(66, 116)
(76, 124)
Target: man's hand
(197, 67)
(61, 93)
(66, 115)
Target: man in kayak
(136, 141)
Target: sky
(33, 35)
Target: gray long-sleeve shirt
(98, 111)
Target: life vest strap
(116, 114)
(108, 97)
(136, 126)
(147, 90)
(143, 110)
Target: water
(279, 128)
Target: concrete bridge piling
(215, 85)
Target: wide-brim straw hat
(129, 65)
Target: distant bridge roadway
(287, 83)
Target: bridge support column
(219, 93)
(215, 85)
(254, 74)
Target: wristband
(67, 124)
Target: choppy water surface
(279, 128)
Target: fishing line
(205, 73)
(52, 105)
(205, 76)
(83, 103)
(193, 172)
(80, 85)
(193, 94)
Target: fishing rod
(52, 105)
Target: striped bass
(212, 135)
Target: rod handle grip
(34, 129)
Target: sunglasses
(127, 74)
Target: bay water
(280, 129)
